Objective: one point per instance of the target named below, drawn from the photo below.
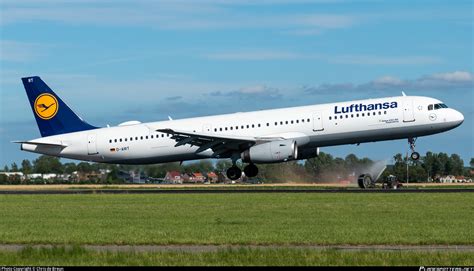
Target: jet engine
(271, 152)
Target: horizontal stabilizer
(41, 143)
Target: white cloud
(168, 15)
(388, 80)
(384, 60)
(457, 76)
(255, 55)
(459, 80)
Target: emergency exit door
(318, 121)
(92, 144)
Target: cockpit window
(436, 106)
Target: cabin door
(92, 144)
(318, 121)
(408, 114)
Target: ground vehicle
(368, 180)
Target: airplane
(266, 136)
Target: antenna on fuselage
(170, 118)
(403, 93)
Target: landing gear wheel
(234, 173)
(251, 170)
(415, 156)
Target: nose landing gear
(414, 155)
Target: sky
(120, 60)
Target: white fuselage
(311, 126)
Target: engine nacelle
(308, 153)
(271, 152)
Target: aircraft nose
(458, 117)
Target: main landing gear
(234, 172)
(414, 155)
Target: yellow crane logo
(46, 106)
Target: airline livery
(267, 136)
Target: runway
(214, 248)
(228, 191)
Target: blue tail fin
(53, 116)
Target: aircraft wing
(221, 145)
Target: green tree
(222, 165)
(69, 168)
(26, 166)
(457, 164)
(84, 167)
(47, 164)
(314, 166)
(14, 167)
(351, 162)
(5, 168)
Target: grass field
(294, 257)
(239, 219)
(441, 218)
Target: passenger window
(363, 115)
(146, 137)
(380, 113)
(120, 140)
(309, 120)
(253, 125)
(286, 122)
(125, 139)
(297, 121)
(268, 124)
(347, 116)
(357, 114)
(291, 122)
(330, 118)
(110, 141)
(115, 140)
(352, 115)
(248, 126)
(259, 125)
